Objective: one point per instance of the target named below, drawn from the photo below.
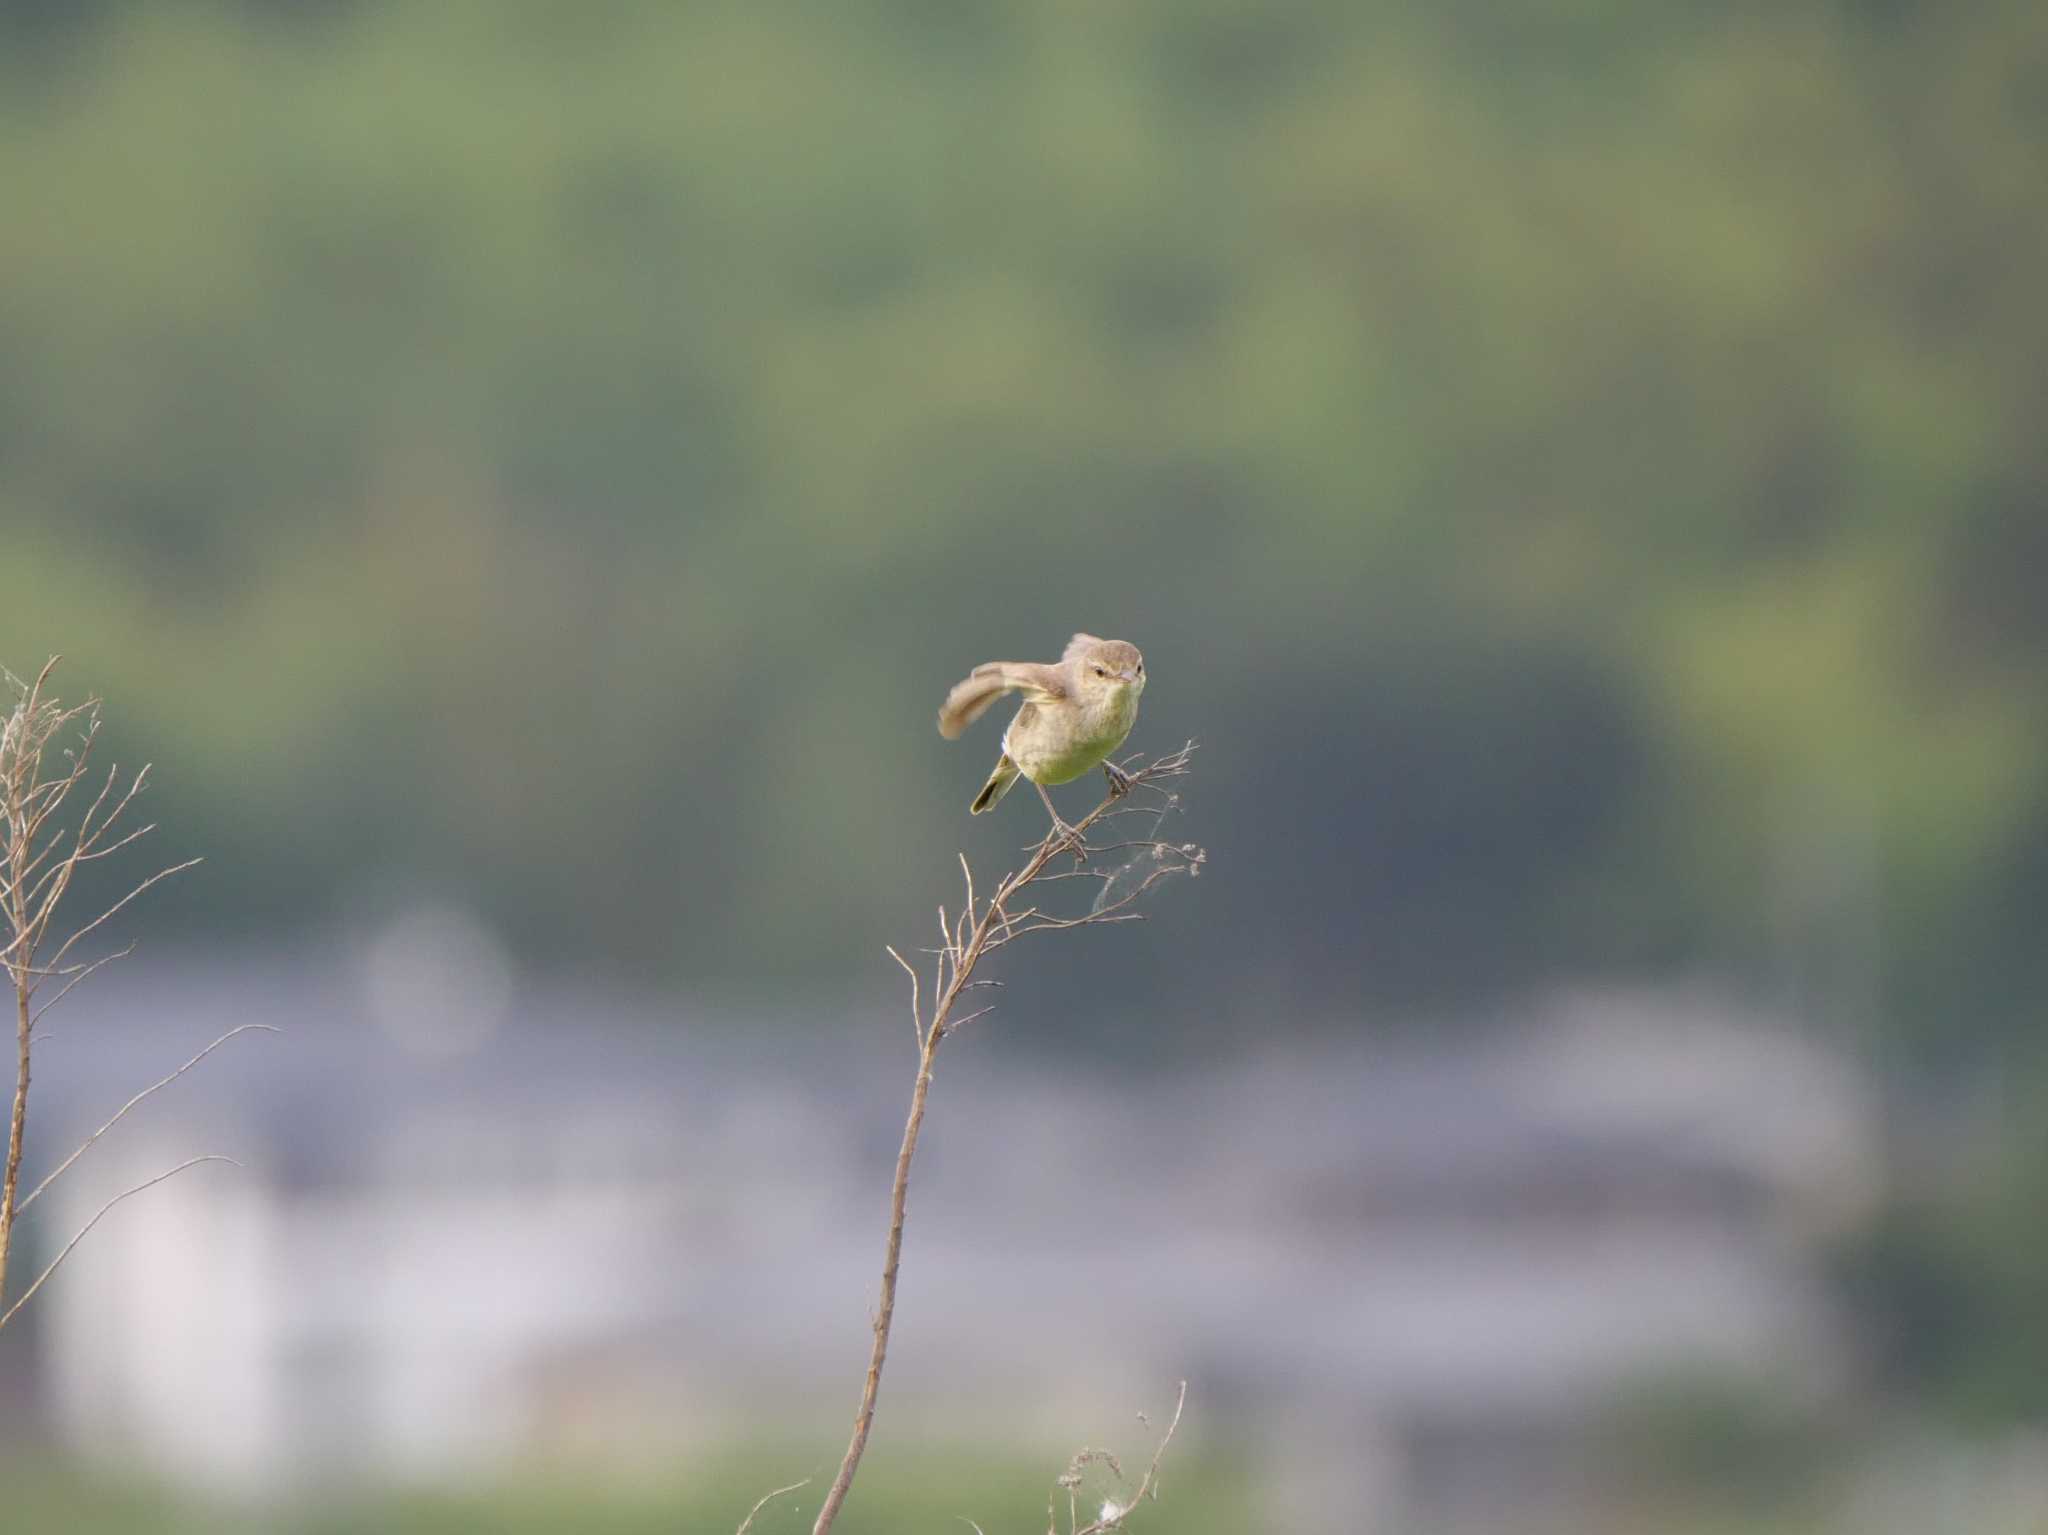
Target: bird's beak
(1128, 676)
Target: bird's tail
(997, 786)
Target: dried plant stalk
(1114, 1514)
(40, 857)
(979, 929)
(767, 1498)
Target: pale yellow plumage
(1076, 712)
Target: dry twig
(980, 928)
(39, 859)
(1113, 1515)
(747, 1523)
(80, 1235)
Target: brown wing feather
(972, 695)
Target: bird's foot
(1119, 780)
(1065, 839)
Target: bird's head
(1110, 667)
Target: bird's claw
(1119, 780)
(1067, 838)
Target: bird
(1076, 711)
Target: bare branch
(979, 931)
(114, 847)
(1148, 1487)
(771, 1497)
(56, 1262)
(1085, 1457)
(89, 834)
(35, 899)
(86, 1144)
(955, 1025)
(1060, 924)
(38, 774)
(103, 917)
(42, 800)
(12, 883)
(81, 837)
(75, 974)
(916, 1013)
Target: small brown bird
(1076, 711)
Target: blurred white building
(1409, 1277)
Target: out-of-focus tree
(1597, 445)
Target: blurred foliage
(1206, 1493)
(1951, 1283)
(1578, 466)
(1687, 1445)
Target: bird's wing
(972, 695)
(1077, 644)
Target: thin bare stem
(73, 974)
(747, 1523)
(90, 834)
(885, 1310)
(114, 847)
(23, 800)
(36, 873)
(960, 1023)
(979, 931)
(17, 1121)
(86, 1144)
(916, 1012)
(105, 916)
(106, 787)
(1147, 1488)
(79, 1236)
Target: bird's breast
(1055, 744)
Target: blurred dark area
(1578, 470)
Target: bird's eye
(1141, 668)
(1100, 672)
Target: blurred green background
(1554, 457)
(1579, 468)
(927, 1490)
